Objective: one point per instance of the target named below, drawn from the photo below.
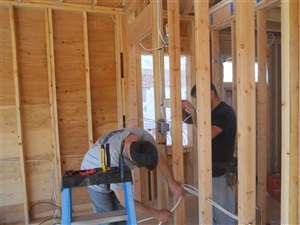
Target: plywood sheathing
(246, 141)
(55, 51)
(202, 66)
(262, 96)
(290, 200)
(176, 111)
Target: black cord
(50, 203)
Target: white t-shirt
(92, 159)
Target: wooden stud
(131, 111)
(87, 79)
(119, 66)
(144, 175)
(191, 81)
(159, 95)
(202, 55)
(271, 106)
(262, 93)
(234, 74)
(290, 112)
(52, 101)
(176, 108)
(234, 96)
(245, 46)
(18, 111)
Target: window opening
(227, 71)
(148, 95)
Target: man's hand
(186, 104)
(163, 215)
(188, 112)
(176, 188)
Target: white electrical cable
(53, 194)
(151, 49)
(196, 192)
(222, 209)
(150, 218)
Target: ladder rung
(107, 217)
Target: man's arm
(174, 186)
(215, 131)
(189, 115)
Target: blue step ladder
(80, 178)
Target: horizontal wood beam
(141, 27)
(266, 4)
(64, 6)
(273, 26)
(274, 15)
(223, 13)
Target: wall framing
(45, 106)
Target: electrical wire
(150, 218)
(53, 193)
(196, 192)
(151, 49)
(54, 217)
(272, 41)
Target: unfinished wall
(58, 95)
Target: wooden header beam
(141, 27)
(223, 13)
(64, 6)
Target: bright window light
(148, 95)
(227, 72)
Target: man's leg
(117, 206)
(223, 195)
(102, 202)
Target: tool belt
(231, 171)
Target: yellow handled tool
(104, 168)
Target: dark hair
(193, 91)
(212, 88)
(144, 154)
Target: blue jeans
(105, 202)
(223, 195)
